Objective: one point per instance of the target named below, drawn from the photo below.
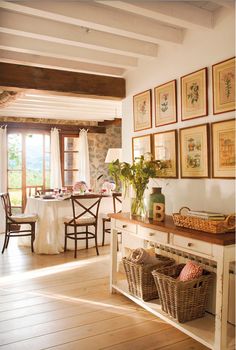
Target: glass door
(28, 166)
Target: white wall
(200, 49)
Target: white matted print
(165, 149)
(142, 109)
(194, 152)
(165, 103)
(141, 145)
(194, 95)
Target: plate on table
(48, 197)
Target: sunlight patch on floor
(81, 301)
(47, 271)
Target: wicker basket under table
(139, 276)
(184, 301)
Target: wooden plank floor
(57, 302)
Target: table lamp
(113, 154)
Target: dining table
(49, 237)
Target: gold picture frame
(194, 151)
(141, 145)
(194, 95)
(165, 149)
(223, 85)
(142, 110)
(165, 103)
(223, 149)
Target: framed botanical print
(165, 103)
(141, 145)
(223, 79)
(223, 149)
(165, 149)
(194, 95)
(142, 109)
(194, 151)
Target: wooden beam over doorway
(19, 77)
(72, 129)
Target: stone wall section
(98, 147)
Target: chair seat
(20, 218)
(81, 221)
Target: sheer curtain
(84, 172)
(55, 174)
(3, 171)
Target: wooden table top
(168, 225)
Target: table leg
(113, 250)
(222, 291)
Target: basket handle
(181, 209)
(231, 217)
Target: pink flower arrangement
(80, 186)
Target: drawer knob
(124, 226)
(190, 244)
(151, 234)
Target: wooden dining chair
(14, 222)
(85, 214)
(116, 200)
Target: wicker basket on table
(206, 225)
(139, 276)
(184, 301)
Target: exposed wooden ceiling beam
(86, 85)
(116, 121)
(50, 49)
(55, 115)
(36, 60)
(101, 18)
(230, 4)
(68, 34)
(63, 106)
(177, 13)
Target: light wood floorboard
(60, 303)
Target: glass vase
(138, 207)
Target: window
(28, 165)
(70, 151)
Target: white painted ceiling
(100, 37)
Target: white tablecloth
(50, 226)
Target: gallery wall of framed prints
(202, 150)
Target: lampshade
(113, 154)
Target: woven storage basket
(211, 226)
(184, 301)
(139, 276)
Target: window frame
(63, 135)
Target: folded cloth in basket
(142, 256)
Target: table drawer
(153, 235)
(191, 244)
(122, 225)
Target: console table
(212, 331)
